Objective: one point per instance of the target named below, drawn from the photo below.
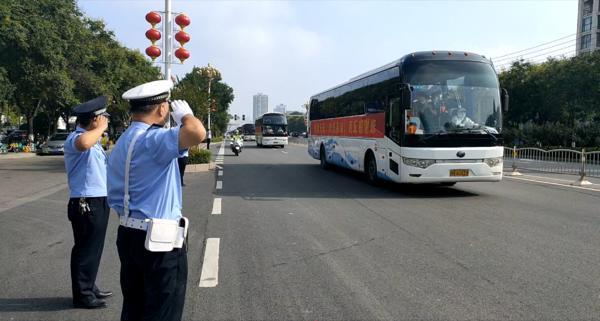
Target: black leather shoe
(103, 294)
(92, 304)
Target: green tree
(296, 124)
(554, 103)
(54, 57)
(193, 88)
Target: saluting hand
(180, 109)
(99, 122)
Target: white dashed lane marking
(220, 173)
(209, 276)
(216, 206)
(219, 184)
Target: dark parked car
(16, 136)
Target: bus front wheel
(371, 169)
(322, 158)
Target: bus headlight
(417, 162)
(493, 162)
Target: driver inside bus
(460, 119)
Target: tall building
(260, 105)
(280, 108)
(588, 28)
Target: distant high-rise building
(280, 108)
(260, 105)
(588, 26)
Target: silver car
(55, 145)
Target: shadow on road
(35, 304)
(271, 181)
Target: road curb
(199, 168)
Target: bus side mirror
(406, 96)
(504, 99)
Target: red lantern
(153, 51)
(182, 37)
(153, 35)
(182, 21)
(153, 18)
(182, 54)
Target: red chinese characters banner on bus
(368, 126)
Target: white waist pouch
(165, 235)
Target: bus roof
(414, 57)
(271, 114)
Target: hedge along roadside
(199, 155)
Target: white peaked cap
(149, 90)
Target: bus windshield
(272, 124)
(453, 97)
(274, 130)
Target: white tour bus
(271, 130)
(429, 117)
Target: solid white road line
(556, 184)
(219, 184)
(216, 207)
(284, 152)
(210, 267)
(220, 173)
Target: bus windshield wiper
(487, 131)
(434, 134)
(471, 130)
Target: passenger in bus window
(430, 118)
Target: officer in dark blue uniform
(144, 186)
(88, 210)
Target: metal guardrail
(560, 161)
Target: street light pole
(210, 73)
(168, 31)
(209, 107)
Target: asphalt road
(299, 242)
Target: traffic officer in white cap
(144, 189)
(88, 211)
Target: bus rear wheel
(323, 158)
(371, 169)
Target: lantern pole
(168, 31)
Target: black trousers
(89, 231)
(182, 161)
(153, 283)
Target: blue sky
(291, 50)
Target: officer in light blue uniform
(153, 283)
(88, 211)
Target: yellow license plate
(459, 172)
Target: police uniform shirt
(154, 180)
(86, 171)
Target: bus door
(394, 122)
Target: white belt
(134, 223)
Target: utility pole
(168, 31)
